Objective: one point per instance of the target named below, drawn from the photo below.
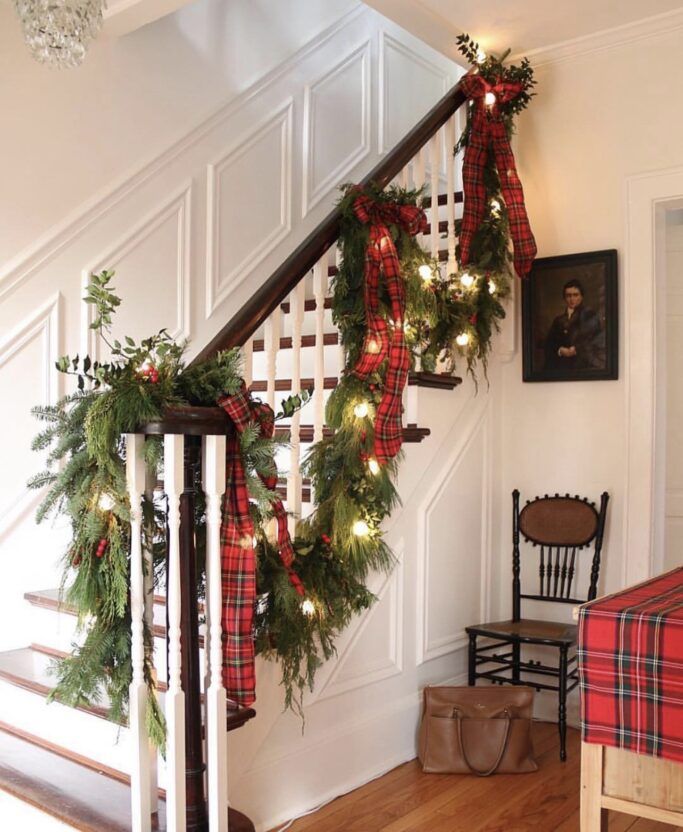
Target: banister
(276, 288)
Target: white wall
(601, 118)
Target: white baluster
(175, 698)
(297, 300)
(140, 770)
(404, 178)
(341, 352)
(319, 292)
(434, 160)
(150, 485)
(271, 346)
(450, 196)
(216, 712)
(248, 362)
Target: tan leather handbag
(485, 730)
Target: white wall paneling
(252, 180)
(332, 149)
(27, 358)
(453, 542)
(152, 264)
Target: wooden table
(636, 784)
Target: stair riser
(79, 731)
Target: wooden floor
(406, 800)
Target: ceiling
(522, 25)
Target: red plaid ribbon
(382, 340)
(631, 668)
(488, 133)
(238, 560)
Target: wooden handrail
(258, 308)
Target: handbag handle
(503, 745)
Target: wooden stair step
(74, 789)
(442, 200)
(439, 381)
(309, 305)
(29, 668)
(330, 339)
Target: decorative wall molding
(43, 325)
(219, 285)
(178, 207)
(312, 191)
(388, 665)
(458, 441)
(387, 43)
(634, 32)
(21, 267)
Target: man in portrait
(576, 339)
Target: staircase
(289, 344)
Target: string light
(463, 339)
(373, 465)
(481, 56)
(466, 280)
(106, 502)
(360, 528)
(490, 99)
(373, 347)
(495, 207)
(492, 287)
(361, 410)
(307, 607)
(425, 272)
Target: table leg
(593, 816)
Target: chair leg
(562, 721)
(472, 661)
(516, 658)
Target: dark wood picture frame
(583, 346)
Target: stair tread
(432, 380)
(29, 668)
(74, 789)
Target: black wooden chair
(561, 526)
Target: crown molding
(606, 39)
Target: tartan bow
(238, 560)
(488, 131)
(382, 341)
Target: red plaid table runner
(489, 134)
(631, 668)
(381, 340)
(238, 558)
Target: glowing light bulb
(481, 56)
(307, 607)
(495, 207)
(492, 287)
(106, 502)
(361, 528)
(373, 347)
(463, 339)
(373, 465)
(490, 99)
(466, 280)
(361, 410)
(425, 272)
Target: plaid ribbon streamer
(488, 133)
(238, 560)
(631, 668)
(381, 339)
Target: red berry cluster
(101, 547)
(326, 539)
(473, 319)
(150, 373)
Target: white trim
(387, 40)
(20, 267)
(218, 286)
(645, 194)
(312, 196)
(43, 324)
(458, 441)
(634, 32)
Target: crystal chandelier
(58, 32)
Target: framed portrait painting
(570, 328)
